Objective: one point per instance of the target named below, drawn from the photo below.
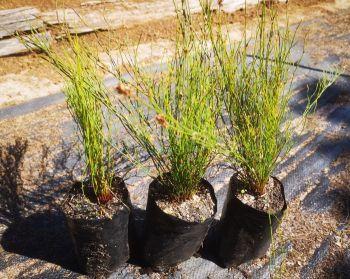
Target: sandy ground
(33, 77)
(42, 5)
(46, 5)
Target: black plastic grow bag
(101, 242)
(244, 233)
(169, 240)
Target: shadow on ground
(341, 267)
(11, 161)
(306, 93)
(42, 236)
(33, 230)
(322, 151)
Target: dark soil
(197, 208)
(83, 204)
(270, 202)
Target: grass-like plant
(254, 77)
(83, 90)
(155, 106)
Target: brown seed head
(161, 120)
(123, 89)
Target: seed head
(123, 89)
(161, 120)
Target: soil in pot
(99, 232)
(175, 230)
(248, 222)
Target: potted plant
(97, 209)
(181, 203)
(256, 128)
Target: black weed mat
(43, 234)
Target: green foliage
(254, 77)
(216, 97)
(83, 89)
(161, 105)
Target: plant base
(169, 238)
(99, 233)
(244, 232)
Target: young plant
(254, 78)
(83, 89)
(183, 96)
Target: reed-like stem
(83, 89)
(255, 77)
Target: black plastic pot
(100, 235)
(244, 233)
(169, 240)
